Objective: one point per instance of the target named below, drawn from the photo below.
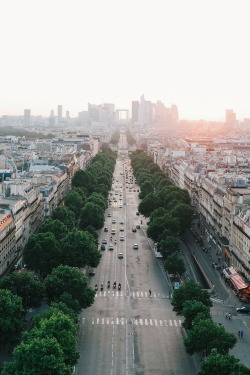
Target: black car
(106, 229)
(243, 310)
(91, 272)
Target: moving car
(137, 213)
(109, 215)
(134, 229)
(120, 255)
(113, 231)
(122, 229)
(135, 246)
(113, 221)
(104, 241)
(103, 247)
(122, 238)
(111, 247)
(243, 310)
(106, 229)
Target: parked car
(91, 272)
(103, 247)
(109, 215)
(243, 310)
(137, 213)
(134, 229)
(138, 226)
(106, 229)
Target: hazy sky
(192, 53)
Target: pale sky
(192, 53)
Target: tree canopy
(42, 253)
(189, 291)
(40, 356)
(206, 335)
(66, 216)
(71, 281)
(56, 227)
(25, 285)
(79, 249)
(219, 364)
(175, 264)
(11, 316)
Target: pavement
(223, 298)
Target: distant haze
(192, 53)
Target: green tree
(147, 187)
(66, 216)
(65, 279)
(25, 285)
(191, 309)
(54, 308)
(42, 253)
(56, 227)
(93, 215)
(81, 179)
(189, 291)
(175, 264)
(79, 249)
(11, 316)
(98, 199)
(63, 329)
(74, 202)
(169, 244)
(206, 335)
(222, 364)
(184, 213)
(157, 226)
(149, 204)
(41, 356)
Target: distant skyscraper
(230, 119)
(52, 118)
(59, 112)
(67, 114)
(26, 117)
(135, 108)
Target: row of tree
(130, 139)
(167, 206)
(115, 137)
(49, 346)
(55, 252)
(203, 335)
(69, 237)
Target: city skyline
(190, 54)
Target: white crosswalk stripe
(120, 293)
(137, 322)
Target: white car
(113, 221)
(122, 238)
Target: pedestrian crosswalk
(135, 322)
(120, 293)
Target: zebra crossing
(134, 322)
(120, 293)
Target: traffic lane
(95, 347)
(205, 261)
(161, 350)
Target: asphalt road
(129, 332)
